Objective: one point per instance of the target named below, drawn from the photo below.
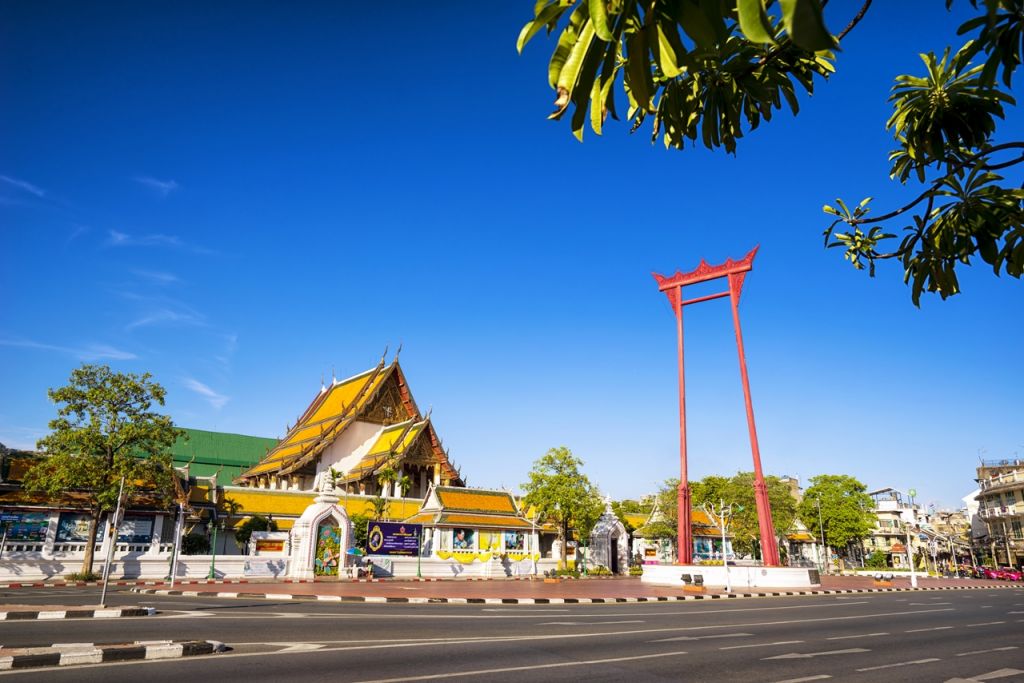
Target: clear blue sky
(238, 201)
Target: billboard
(392, 538)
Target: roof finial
(384, 355)
(398, 352)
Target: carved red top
(704, 272)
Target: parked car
(1011, 574)
(990, 573)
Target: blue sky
(239, 202)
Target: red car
(1011, 574)
(990, 573)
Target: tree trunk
(94, 527)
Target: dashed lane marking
(933, 628)
(511, 669)
(897, 664)
(717, 635)
(987, 623)
(779, 642)
(819, 677)
(981, 652)
(808, 655)
(859, 635)
(998, 673)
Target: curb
(21, 615)
(542, 601)
(202, 582)
(89, 653)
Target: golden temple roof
(456, 506)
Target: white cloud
(212, 397)
(89, 352)
(156, 276)
(24, 186)
(166, 316)
(117, 238)
(164, 187)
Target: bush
(193, 544)
(83, 576)
(573, 573)
(636, 570)
(598, 570)
(877, 560)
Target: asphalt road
(919, 636)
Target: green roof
(207, 452)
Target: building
(1001, 509)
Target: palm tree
(404, 484)
(380, 505)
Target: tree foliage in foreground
(106, 430)
(711, 70)
(562, 495)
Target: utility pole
(821, 525)
(111, 544)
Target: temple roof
(456, 506)
(392, 444)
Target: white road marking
(510, 669)
(998, 673)
(298, 647)
(987, 623)
(859, 635)
(780, 642)
(589, 623)
(808, 655)
(930, 604)
(1015, 612)
(933, 628)
(819, 677)
(890, 666)
(981, 652)
(718, 635)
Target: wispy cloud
(164, 187)
(212, 397)
(90, 352)
(115, 238)
(156, 276)
(24, 186)
(166, 316)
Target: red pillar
(769, 547)
(684, 534)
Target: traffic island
(98, 653)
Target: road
(918, 636)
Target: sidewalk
(566, 591)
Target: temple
(352, 431)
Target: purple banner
(392, 538)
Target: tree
(105, 431)
(561, 494)
(379, 504)
(255, 523)
(360, 524)
(739, 489)
(845, 509)
(718, 69)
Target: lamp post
(821, 525)
(212, 526)
(723, 514)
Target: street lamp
(723, 514)
(821, 525)
(212, 527)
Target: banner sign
(391, 538)
(31, 528)
(135, 530)
(73, 528)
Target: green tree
(877, 560)
(739, 489)
(379, 504)
(715, 70)
(360, 528)
(561, 494)
(845, 509)
(105, 431)
(255, 523)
